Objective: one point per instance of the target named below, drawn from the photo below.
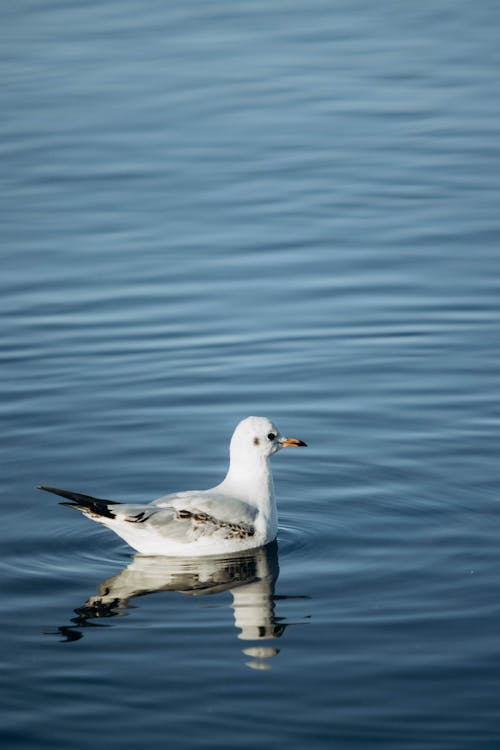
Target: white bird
(237, 514)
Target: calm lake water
(212, 210)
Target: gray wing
(181, 524)
(183, 517)
(215, 504)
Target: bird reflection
(250, 576)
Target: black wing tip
(86, 503)
(44, 488)
(54, 490)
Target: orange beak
(285, 441)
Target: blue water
(212, 210)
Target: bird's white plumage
(237, 514)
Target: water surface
(212, 211)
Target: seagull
(237, 514)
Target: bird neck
(251, 480)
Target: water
(216, 210)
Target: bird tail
(93, 507)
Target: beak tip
(293, 441)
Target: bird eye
(271, 436)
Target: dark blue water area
(212, 210)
